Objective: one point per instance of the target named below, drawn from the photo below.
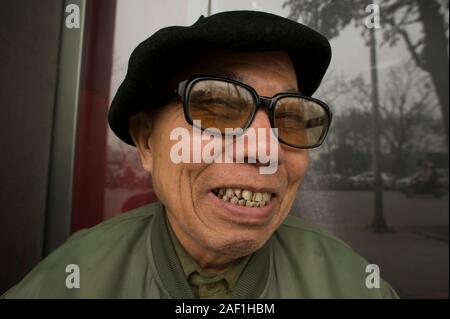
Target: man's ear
(140, 130)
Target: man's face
(200, 218)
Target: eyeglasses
(221, 103)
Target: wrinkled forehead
(273, 67)
(278, 61)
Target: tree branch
(410, 46)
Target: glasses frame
(185, 87)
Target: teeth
(229, 193)
(247, 195)
(243, 197)
(257, 197)
(234, 200)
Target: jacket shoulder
(326, 265)
(294, 226)
(103, 254)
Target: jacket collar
(250, 285)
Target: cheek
(297, 161)
(173, 180)
(163, 174)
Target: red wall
(90, 157)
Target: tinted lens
(300, 122)
(220, 104)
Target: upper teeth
(243, 197)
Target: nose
(259, 143)
(261, 119)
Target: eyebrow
(237, 77)
(291, 90)
(225, 74)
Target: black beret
(155, 60)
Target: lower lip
(243, 212)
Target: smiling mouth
(243, 197)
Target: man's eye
(225, 103)
(212, 110)
(315, 122)
(229, 101)
(215, 101)
(204, 110)
(288, 117)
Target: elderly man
(222, 228)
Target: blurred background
(379, 182)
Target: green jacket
(131, 256)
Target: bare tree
(429, 51)
(408, 113)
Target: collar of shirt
(251, 284)
(203, 283)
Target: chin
(239, 244)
